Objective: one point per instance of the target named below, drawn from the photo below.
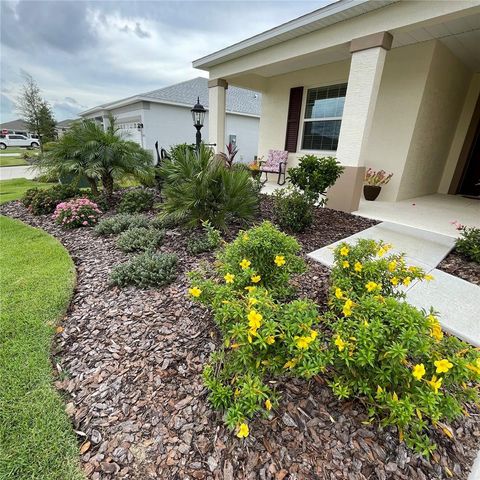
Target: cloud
(93, 52)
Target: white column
(368, 58)
(216, 113)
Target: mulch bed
(131, 363)
(458, 265)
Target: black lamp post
(198, 115)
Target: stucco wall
(441, 104)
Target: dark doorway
(470, 182)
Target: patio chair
(276, 163)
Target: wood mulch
(131, 362)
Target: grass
(37, 280)
(15, 188)
(16, 150)
(12, 161)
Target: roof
(66, 122)
(14, 125)
(239, 100)
(323, 17)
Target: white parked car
(15, 140)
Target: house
(63, 126)
(164, 115)
(386, 84)
(20, 127)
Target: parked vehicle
(15, 140)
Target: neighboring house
(63, 126)
(18, 127)
(385, 84)
(164, 115)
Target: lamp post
(198, 115)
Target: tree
(36, 112)
(97, 154)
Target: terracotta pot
(371, 192)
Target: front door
(470, 182)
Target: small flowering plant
(468, 244)
(392, 355)
(377, 177)
(79, 212)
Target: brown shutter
(293, 119)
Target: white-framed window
(323, 117)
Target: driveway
(24, 171)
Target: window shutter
(293, 119)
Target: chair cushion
(274, 158)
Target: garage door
(131, 131)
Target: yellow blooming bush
(392, 355)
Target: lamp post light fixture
(198, 115)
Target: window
(323, 117)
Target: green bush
(120, 222)
(140, 239)
(469, 243)
(314, 175)
(44, 201)
(392, 356)
(206, 242)
(148, 269)
(198, 187)
(293, 210)
(135, 201)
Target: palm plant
(98, 155)
(198, 187)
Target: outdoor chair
(276, 163)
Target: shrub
(79, 212)
(121, 222)
(293, 210)
(206, 242)
(314, 175)
(140, 239)
(135, 201)
(469, 242)
(148, 269)
(391, 355)
(265, 253)
(44, 201)
(198, 187)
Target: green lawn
(37, 280)
(12, 161)
(15, 188)
(16, 150)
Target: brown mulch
(132, 362)
(458, 265)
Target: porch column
(216, 113)
(368, 58)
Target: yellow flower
(418, 371)
(395, 397)
(256, 278)
(443, 366)
(194, 292)
(345, 264)
(412, 269)
(280, 260)
(243, 431)
(435, 383)
(270, 340)
(381, 251)
(236, 392)
(436, 332)
(392, 265)
(302, 342)
(394, 281)
(245, 263)
(379, 390)
(347, 308)
(233, 346)
(407, 281)
(254, 319)
(229, 278)
(371, 286)
(428, 277)
(290, 363)
(358, 267)
(245, 237)
(252, 301)
(250, 288)
(338, 292)
(344, 251)
(268, 404)
(313, 334)
(340, 343)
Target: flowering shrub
(262, 257)
(140, 239)
(79, 212)
(135, 201)
(148, 269)
(121, 222)
(377, 178)
(43, 201)
(293, 210)
(469, 242)
(389, 353)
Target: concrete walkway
(457, 301)
(23, 171)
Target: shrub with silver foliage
(140, 239)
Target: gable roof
(239, 100)
(17, 124)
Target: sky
(82, 54)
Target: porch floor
(431, 212)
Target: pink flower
(85, 223)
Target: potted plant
(255, 167)
(374, 180)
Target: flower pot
(371, 192)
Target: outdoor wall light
(198, 115)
